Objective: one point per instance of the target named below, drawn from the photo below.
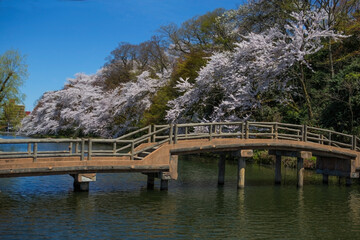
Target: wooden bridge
(153, 150)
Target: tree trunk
(331, 62)
(306, 94)
(351, 113)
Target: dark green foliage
(342, 112)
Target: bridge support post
(348, 181)
(150, 180)
(82, 181)
(300, 172)
(278, 155)
(164, 180)
(242, 155)
(300, 167)
(301, 155)
(164, 184)
(278, 169)
(241, 172)
(325, 179)
(81, 186)
(221, 177)
(339, 180)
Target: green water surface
(119, 206)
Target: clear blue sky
(63, 37)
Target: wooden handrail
(172, 133)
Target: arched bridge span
(153, 150)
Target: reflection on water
(119, 206)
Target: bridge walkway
(153, 150)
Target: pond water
(119, 206)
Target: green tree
(200, 33)
(13, 72)
(12, 114)
(341, 113)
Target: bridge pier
(150, 180)
(241, 172)
(300, 172)
(164, 180)
(348, 181)
(164, 184)
(82, 181)
(81, 186)
(242, 155)
(278, 169)
(301, 155)
(325, 179)
(221, 177)
(278, 155)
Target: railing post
(77, 147)
(35, 152)
(242, 130)
(220, 129)
(89, 149)
(353, 142)
(176, 133)
(186, 132)
(304, 132)
(276, 131)
(70, 148)
(247, 130)
(29, 149)
(330, 139)
(149, 132)
(154, 135)
(114, 147)
(171, 133)
(132, 150)
(82, 158)
(210, 132)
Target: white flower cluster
(84, 106)
(257, 64)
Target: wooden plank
(133, 133)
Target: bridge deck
(71, 165)
(155, 149)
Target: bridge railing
(127, 145)
(36, 148)
(145, 140)
(265, 130)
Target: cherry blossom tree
(83, 106)
(235, 83)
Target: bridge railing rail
(267, 130)
(38, 148)
(127, 145)
(142, 141)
